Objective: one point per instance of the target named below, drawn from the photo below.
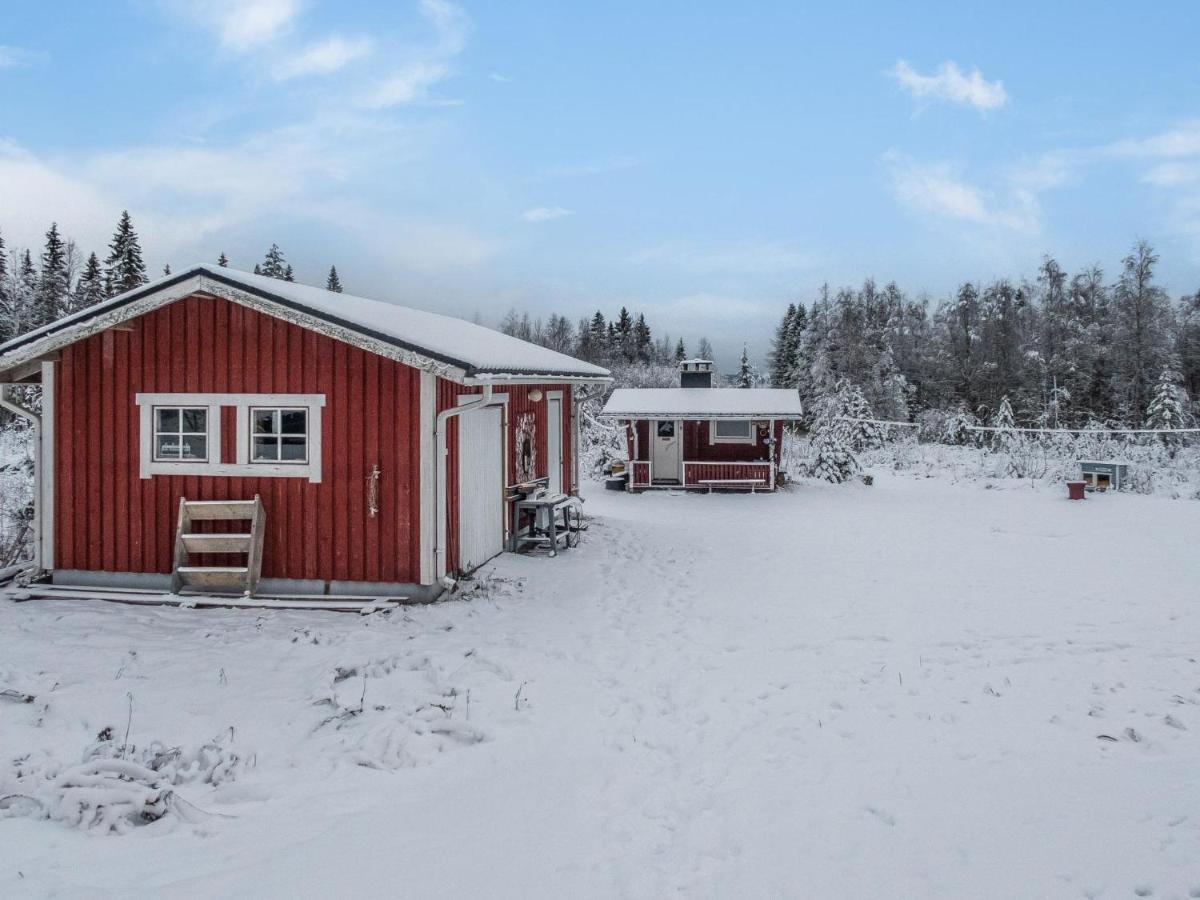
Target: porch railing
(710, 474)
(721, 474)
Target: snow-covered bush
(114, 788)
(394, 712)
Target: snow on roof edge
(703, 403)
(477, 350)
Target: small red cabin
(703, 438)
(383, 441)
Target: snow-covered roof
(703, 403)
(473, 350)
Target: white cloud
(498, 78)
(544, 213)
(242, 25)
(324, 57)
(1173, 174)
(12, 57)
(450, 23)
(1181, 141)
(938, 190)
(409, 84)
(1173, 160)
(951, 84)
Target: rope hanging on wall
(373, 492)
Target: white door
(480, 486)
(554, 456)
(665, 458)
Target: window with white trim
(279, 435)
(180, 434)
(731, 431)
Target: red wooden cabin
(383, 441)
(699, 437)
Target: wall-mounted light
(535, 395)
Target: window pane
(195, 421)
(666, 429)
(168, 420)
(194, 446)
(294, 449)
(166, 446)
(293, 421)
(733, 428)
(264, 421)
(266, 448)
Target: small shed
(1101, 474)
(703, 438)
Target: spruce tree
(333, 283)
(287, 273)
(166, 269)
(641, 339)
(1005, 434)
(780, 344)
(833, 460)
(124, 268)
(89, 290)
(745, 376)
(50, 301)
(1168, 410)
(257, 269)
(680, 351)
(273, 265)
(22, 294)
(223, 260)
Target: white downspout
(35, 422)
(484, 399)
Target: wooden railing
(641, 474)
(759, 474)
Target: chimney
(695, 373)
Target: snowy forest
(1066, 350)
(1059, 350)
(62, 280)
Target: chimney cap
(695, 365)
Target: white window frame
(180, 433)
(279, 436)
(750, 437)
(242, 466)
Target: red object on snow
(1075, 490)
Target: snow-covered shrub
(113, 788)
(107, 796)
(394, 712)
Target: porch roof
(703, 403)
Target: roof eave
(785, 416)
(493, 378)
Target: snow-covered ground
(914, 689)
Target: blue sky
(706, 163)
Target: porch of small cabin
(704, 454)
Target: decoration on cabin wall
(373, 492)
(525, 449)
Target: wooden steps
(219, 579)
